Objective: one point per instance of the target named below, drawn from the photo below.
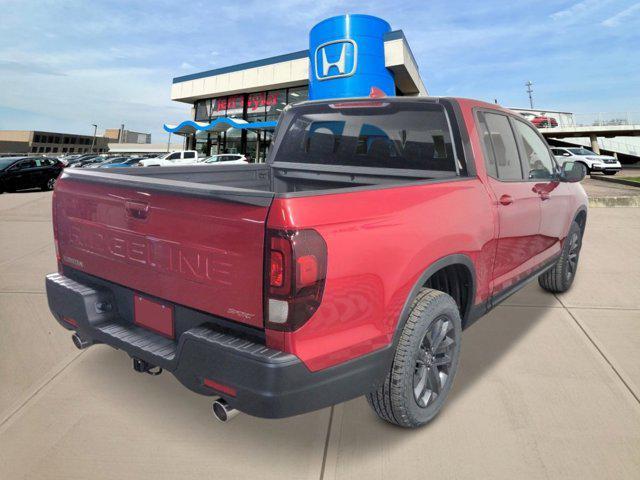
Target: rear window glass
(378, 134)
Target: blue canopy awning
(218, 125)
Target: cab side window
(501, 152)
(537, 162)
(23, 165)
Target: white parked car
(592, 161)
(226, 159)
(185, 157)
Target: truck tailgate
(200, 250)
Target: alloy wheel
(574, 252)
(434, 361)
(51, 183)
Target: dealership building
(235, 108)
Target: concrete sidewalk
(548, 387)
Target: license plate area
(153, 315)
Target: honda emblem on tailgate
(336, 59)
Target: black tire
(586, 168)
(49, 184)
(396, 400)
(560, 277)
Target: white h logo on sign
(340, 64)
(326, 65)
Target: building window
(57, 140)
(218, 107)
(276, 101)
(65, 140)
(203, 110)
(55, 149)
(298, 94)
(47, 149)
(235, 106)
(50, 139)
(34, 149)
(36, 138)
(256, 106)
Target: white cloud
(617, 19)
(575, 10)
(187, 66)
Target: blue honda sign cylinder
(347, 57)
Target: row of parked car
(185, 157)
(21, 173)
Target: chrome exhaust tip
(222, 411)
(79, 342)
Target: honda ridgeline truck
(347, 265)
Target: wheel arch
(586, 165)
(580, 217)
(459, 260)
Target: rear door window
(189, 155)
(27, 164)
(501, 151)
(375, 134)
(537, 162)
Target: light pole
(169, 142)
(529, 84)
(95, 130)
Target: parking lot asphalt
(597, 188)
(548, 387)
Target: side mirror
(573, 172)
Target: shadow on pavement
(488, 340)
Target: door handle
(137, 210)
(543, 196)
(506, 200)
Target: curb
(620, 181)
(608, 202)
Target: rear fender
(454, 259)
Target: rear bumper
(268, 383)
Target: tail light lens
(294, 281)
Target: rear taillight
(294, 281)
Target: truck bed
(255, 184)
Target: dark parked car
(129, 162)
(106, 161)
(88, 161)
(20, 173)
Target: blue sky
(67, 64)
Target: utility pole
(95, 130)
(169, 142)
(121, 136)
(529, 84)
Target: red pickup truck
(347, 265)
